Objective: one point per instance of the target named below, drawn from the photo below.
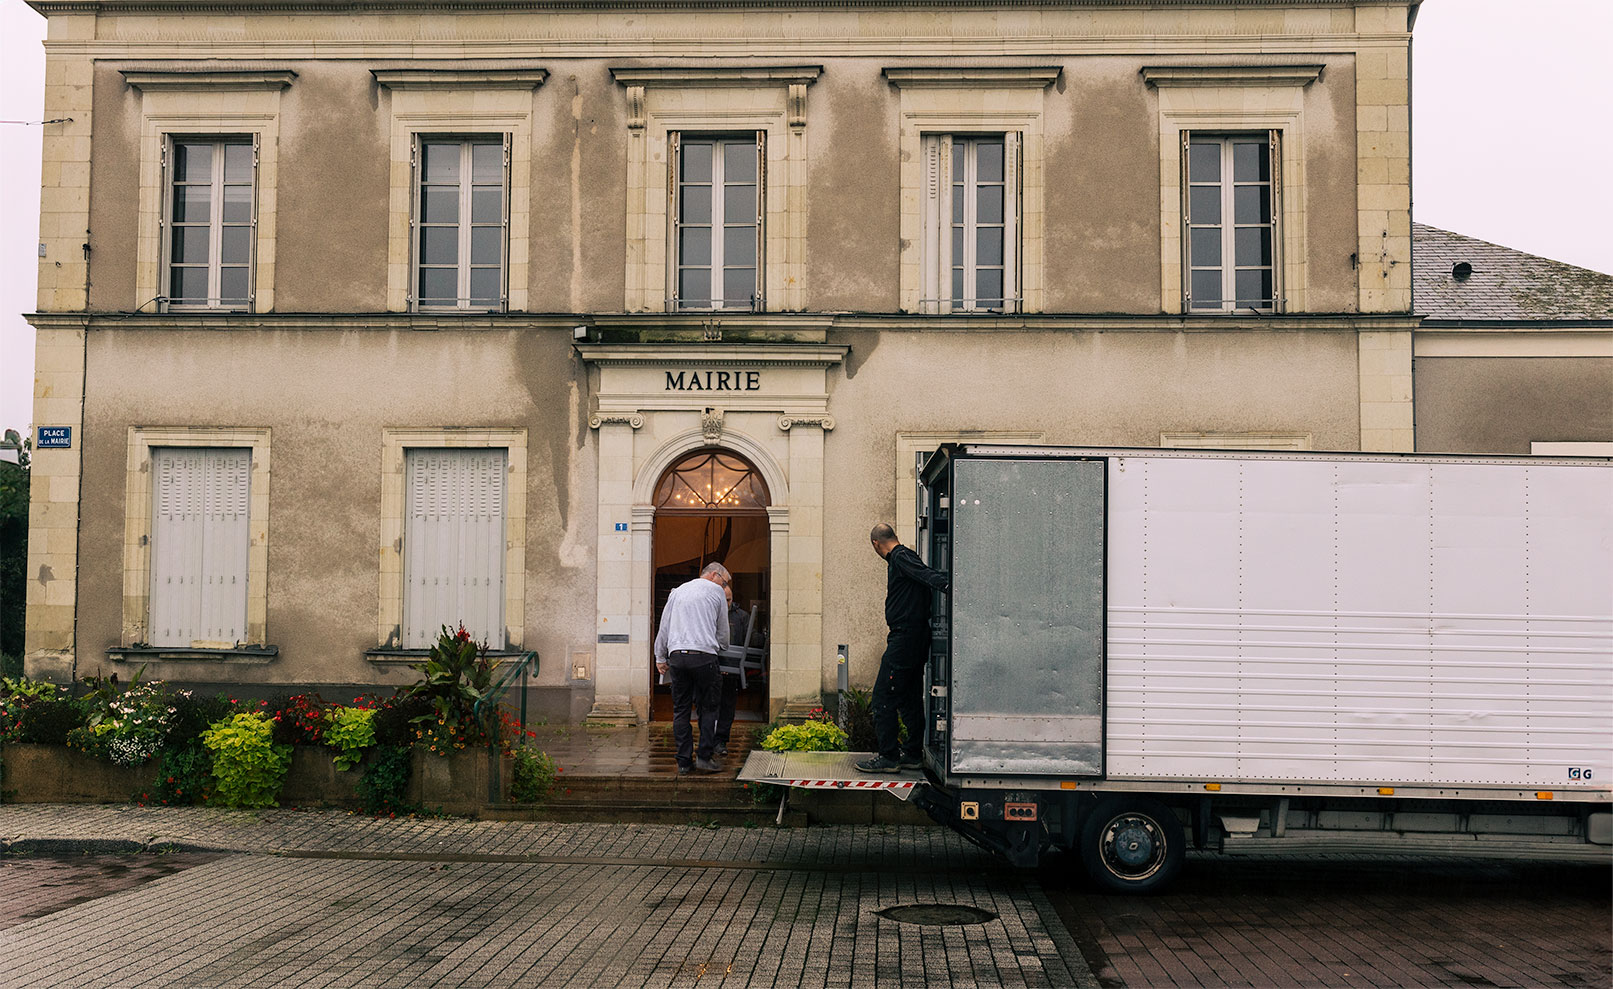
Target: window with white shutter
(200, 535)
(971, 223)
(453, 544)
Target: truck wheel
(1132, 844)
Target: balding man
(899, 690)
(694, 626)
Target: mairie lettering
(714, 381)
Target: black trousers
(698, 686)
(899, 691)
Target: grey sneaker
(911, 762)
(720, 749)
(879, 764)
(707, 766)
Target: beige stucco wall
(1100, 122)
(1502, 404)
(333, 392)
(326, 401)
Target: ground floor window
(201, 498)
(453, 544)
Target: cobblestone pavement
(341, 900)
(1343, 921)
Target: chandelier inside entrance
(711, 479)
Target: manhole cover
(936, 914)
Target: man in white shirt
(694, 626)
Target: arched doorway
(711, 506)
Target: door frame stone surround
(775, 413)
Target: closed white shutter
(453, 545)
(200, 533)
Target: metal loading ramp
(825, 771)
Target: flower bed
(439, 744)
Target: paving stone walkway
(331, 899)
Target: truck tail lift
(1142, 647)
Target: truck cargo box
(1388, 621)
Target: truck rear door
(1016, 671)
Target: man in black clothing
(899, 690)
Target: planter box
(56, 774)
(462, 783)
(314, 780)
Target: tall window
(211, 218)
(199, 539)
(717, 221)
(461, 223)
(1231, 230)
(971, 223)
(453, 544)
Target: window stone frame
(394, 443)
(137, 523)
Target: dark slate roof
(1505, 284)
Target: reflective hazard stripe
(854, 784)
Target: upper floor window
(971, 259)
(212, 218)
(717, 227)
(461, 222)
(1231, 229)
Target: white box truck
(1145, 647)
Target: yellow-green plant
(247, 764)
(809, 736)
(351, 732)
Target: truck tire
(1132, 844)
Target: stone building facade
(369, 317)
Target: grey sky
(1510, 143)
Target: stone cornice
(713, 354)
(208, 80)
(973, 77)
(48, 7)
(691, 76)
(1230, 75)
(706, 329)
(459, 78)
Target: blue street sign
(54, 438)
(621, 527)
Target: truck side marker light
(1543, 795)
(969, 810)
(1213, 787)
(1386, 791)
(1067, 784)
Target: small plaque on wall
(613, 637)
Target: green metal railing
(520, 668)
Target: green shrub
(394, 720)
(808, 736)
(17, 693)
(350, 731)
(47, 722)
(386, 780)
(192, 715)
(860, 720)
(184, 776)
(248, 766)
(11, 665)
(533, 777)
